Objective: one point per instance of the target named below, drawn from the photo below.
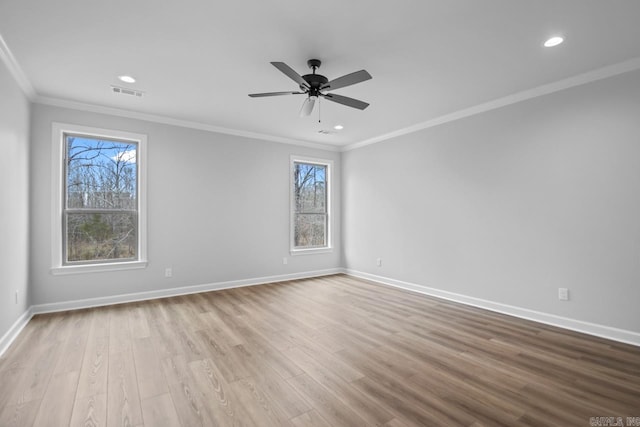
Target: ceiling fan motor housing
(315, 81)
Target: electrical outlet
(168, 272)
(563, 294)
(285, 261)
(379, 262)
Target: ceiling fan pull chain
(319, 106)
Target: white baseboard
(185, 290)
(607, 332)
(615, 334)
(15, 330)
(19, 324)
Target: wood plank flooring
(331, 351)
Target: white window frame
(292, 203)
(58, 180)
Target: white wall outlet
(168, 272)
(379, 262)
(284, 261)
(563, 294)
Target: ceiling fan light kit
(307, 106)
(316, 85)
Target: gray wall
(510, 204)
(505, 206)
(218, 210)
(14, 200)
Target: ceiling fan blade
(307, 106)
(345, 100)
(258, 95)
(347, 80)
(290, 72)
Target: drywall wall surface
(510, 205)
(14, 201)
(218, 210)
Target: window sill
(98, 268)
(311, 251)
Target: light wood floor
(332, 351)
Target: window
(99, 215)
(310, 205)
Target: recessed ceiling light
(553, 41)
(127, 79)
(338, 127)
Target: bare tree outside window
(101, 200)
(310, 210)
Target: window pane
(310, 188)
(101, 174)
(101, 236)
(310, 230)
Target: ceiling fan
(316, 85)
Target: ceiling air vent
(126, 91)
(324, 132)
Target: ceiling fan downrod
(314, 64)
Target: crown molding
(580, 79)
(75, 105)
(591, 76)
(6, 56)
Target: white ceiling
(197, 60)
